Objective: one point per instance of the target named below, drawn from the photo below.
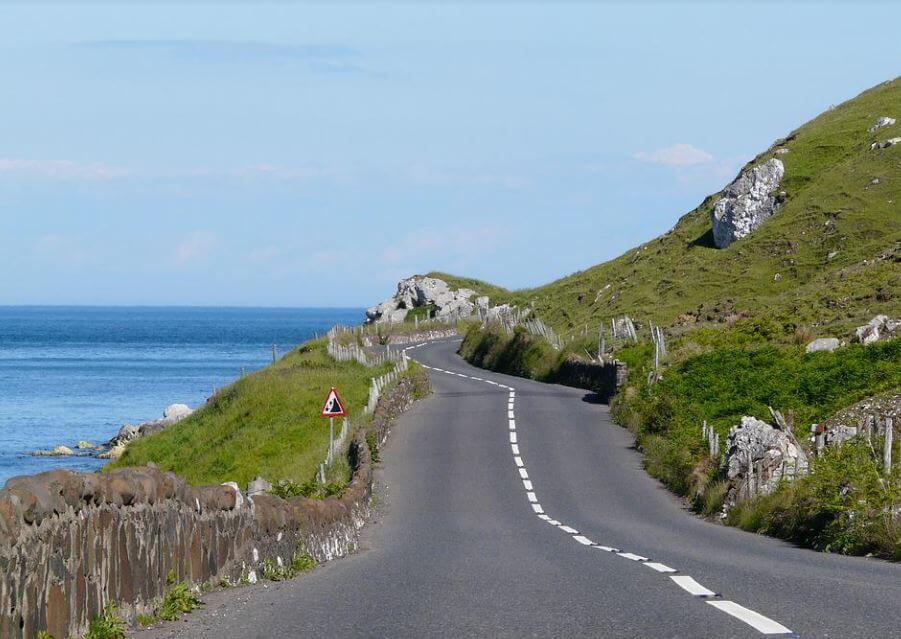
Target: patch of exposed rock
(823, 344)
(885, 144)
(114, 448)
(881, 122)
(879, 328)
(758, 457)
(747, 202)
(418, 292)
(865, 417)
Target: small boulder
(822, 344)
(758, 457)
(877, 328)
(83, 445)
(176, 412)
(59, 451)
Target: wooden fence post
(887, 449)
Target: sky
(313, 154)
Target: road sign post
(332, 408)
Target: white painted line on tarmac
(653, 565)
(633, 557)
(585, 541)
(515, 448)
(523, 473)
(538, 509)
(531, 497)
(692, 587)
(513, 437)
(568, 530)
(510, 414)
(754, 619)
(527, 484)
(607, 548)
(512, 424)
(518, 461)
(544, 517)
(553, 522)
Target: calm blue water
(72, 373)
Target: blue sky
(312, 154)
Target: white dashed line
(754, 619)
(633, 557)
(653, 565)
(692, 587)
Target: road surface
(513, 508)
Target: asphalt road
(475, 540)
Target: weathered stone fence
(604, 378)
(72, 542)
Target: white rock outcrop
(885, 144)
(822, 344)
(416, 292)
(880, 327)
(747, 202)
(758, 457)
(881, 122)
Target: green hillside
(835, 243)
(737, 320)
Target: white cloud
(198, 245)
(678, 155)
(62, 169)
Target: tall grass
(266, 423)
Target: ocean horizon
(71, 373)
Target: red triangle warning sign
(333, 406)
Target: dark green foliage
(106, 625)
(178, 600)
(373, 446)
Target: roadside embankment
(72, 543)
(530, 356)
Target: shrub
(177, 601)
(106, 625)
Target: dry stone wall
(72, 542)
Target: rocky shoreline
(114, 448)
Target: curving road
(513, 508)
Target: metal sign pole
(331, 436)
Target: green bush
(177, 601)
(106, 625)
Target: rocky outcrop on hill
(881, 122)
(430, 292)
(747, 202)
(823, 344)
(885, 144)
(879, 328)
(758, 456)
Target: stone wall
(72, 542)
(602, 378)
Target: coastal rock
(881, 122)
(747, 202)
(758, 457)
(59, 451)
(83, 445)
(176, 412)
(880, 327)
(885, 144)
(822, 344)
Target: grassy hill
(737, 320)
(835, 243)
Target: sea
(79, 373)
